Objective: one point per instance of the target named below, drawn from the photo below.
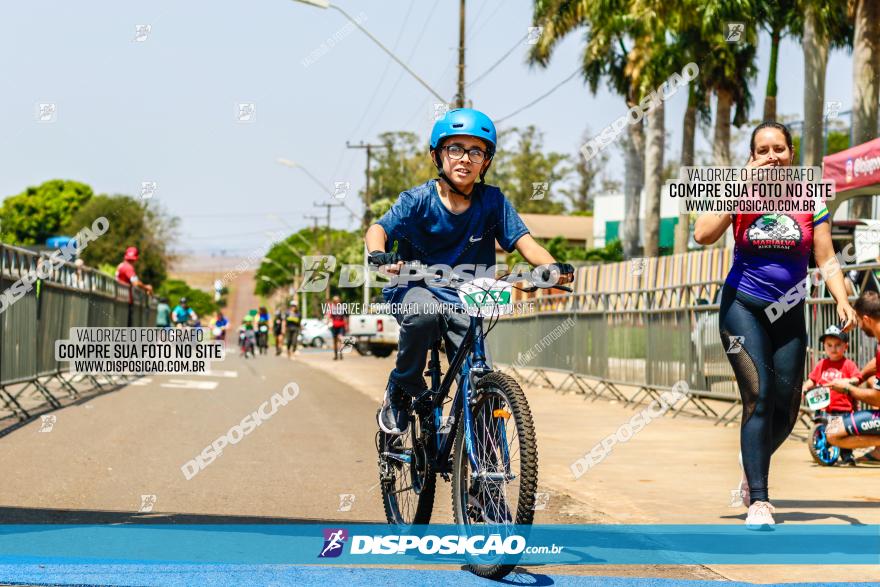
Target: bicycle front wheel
(407, 479)
(500, 490)
(822, 452)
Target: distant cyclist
(221, 325)
(278, 330)
(449, 221)
(770, 259)
(247, 340)
(261, 327)
(292, 325)
(183, 315)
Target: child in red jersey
(835, 366)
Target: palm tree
(604, 57)
(823, 24)
(685, 24)
(866, 83)
(776, 17)
(650, 63)
(727, 71)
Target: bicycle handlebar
(419, 270)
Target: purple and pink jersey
(772, 252)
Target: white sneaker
(760, 515)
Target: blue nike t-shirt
(427, 232)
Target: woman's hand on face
(847, 315)
(762, 162)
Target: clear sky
(164, 108)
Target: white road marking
(187, 384)
(142, 381)
(218, 374)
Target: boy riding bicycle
(835, 366)
(447, 221)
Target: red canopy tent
(855, 171)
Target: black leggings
(769, 371)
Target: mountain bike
(483, 439)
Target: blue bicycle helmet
(465, 121)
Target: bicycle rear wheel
(501, 492)
(405, 474)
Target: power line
(400, 75)
(541, 97)
(381, 81)
(488, 19)
(497, 63)
(343, 157)
(236, 214)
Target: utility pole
(368, 195)
(329, 206)
(460, 98)
(316, 220)
(368, 215)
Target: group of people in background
(286, 327)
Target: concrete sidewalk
(674, 471)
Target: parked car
(376, 334)
(315, 333)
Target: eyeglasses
(456, 152)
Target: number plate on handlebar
(818, 398)
(486, 297)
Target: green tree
(605, 56)
(401, 165)
(521, 163)
(728, 69)
(34, 215)
(581, 197)
(379, 207)
(837, 141)
(133, 223)
(651, 62)
(283, 265)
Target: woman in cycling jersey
(766, 347)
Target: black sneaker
(394, 415)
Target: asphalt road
(117, 458)
(314, 459)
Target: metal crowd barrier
(31, 380)
(649, 339)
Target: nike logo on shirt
(473, 240)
